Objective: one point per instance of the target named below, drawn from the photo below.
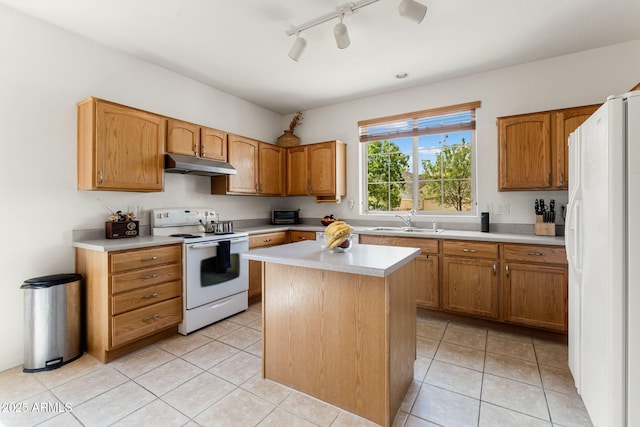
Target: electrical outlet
(502, 209)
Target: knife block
(544, 228)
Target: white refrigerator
(602, 235)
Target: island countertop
(368, 260)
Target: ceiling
(240, 46)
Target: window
(421, 160)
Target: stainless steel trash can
(52, 317)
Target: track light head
(412, 10)
(341, 34)
(297, 48)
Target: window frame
(436, 112)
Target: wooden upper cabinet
(322, 169)
(193, 140)
(261, 167)
(533, 151)
(119, 148)
(297, 173)
(524, 152)
(271, 169)
(317, 170)
(213, 144)
(243, 155)
(566, 121)
(183, 138)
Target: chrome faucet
(408, 220)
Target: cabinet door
(524, 151)
(322, 168)
(129, 149)
(183, 138)
(243, 155)
(297, 178)
(427, 281)
(470, 286)
(299, 236)
(271, 170)
(566, 121)
(213, 144)
(536, 295)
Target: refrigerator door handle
(574, 235)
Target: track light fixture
(297, 48)
(410, 9)
(341, 34)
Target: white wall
(579, 79)
(44, 72)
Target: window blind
(453, 118)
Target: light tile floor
(464, 376)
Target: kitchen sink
(407, 229)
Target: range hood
(177, 163)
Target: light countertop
(107, 245)
(368, 260)
(446, 234)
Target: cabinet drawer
(470, 249)
(534, 253)
(142, 278)
(268, 239)
(145, 321)
(297, 236)
(426, 245)
(142, 258)
(145, 296)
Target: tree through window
(421, 161)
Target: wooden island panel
(345, 338)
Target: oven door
(211, 275)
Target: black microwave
(285, 216)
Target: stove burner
(185, 235)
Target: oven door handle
(202, 245)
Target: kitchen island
(341, 326)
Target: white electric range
(215, 276)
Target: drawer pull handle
(537, 253)
(155, 316)
(507, 268)
(153, 258)
(494, 268)
(153, 295)
(152, 276)
(469, 250)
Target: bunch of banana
(337, 233)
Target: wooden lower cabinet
(535, 286)
(427, 265)
(132, 298)
(470, 282)
(470, 286)
(264, 240)
(298, 236)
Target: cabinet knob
(548, 179)
(100, 176)
(153, 258)
(469, 250)
(537, 253)
(494, 268)
(153, 295)
(561, 178)
(151, 276)
(507, 269)
(155, 316)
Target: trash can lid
(53, 280)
